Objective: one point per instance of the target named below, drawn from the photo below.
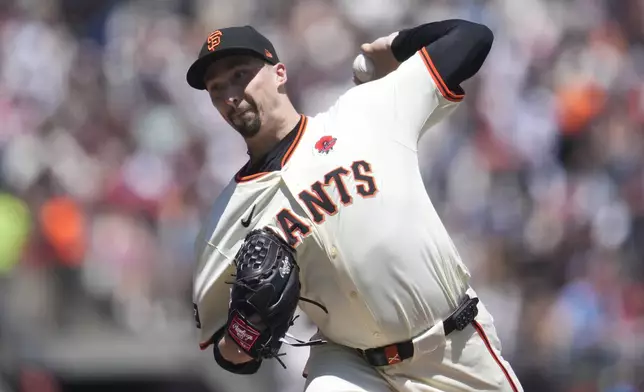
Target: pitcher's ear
(280, 73)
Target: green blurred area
(15, 225)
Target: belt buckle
(382, 356)
(392, 355)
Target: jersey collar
(243, 175)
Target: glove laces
(294, 342)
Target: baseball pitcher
(330, 213)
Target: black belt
(398, 352)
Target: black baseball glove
(264, 295)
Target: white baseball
(363, 68)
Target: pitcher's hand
(379, 51)
(232, 352)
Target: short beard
(249, 128)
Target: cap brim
(197, 72)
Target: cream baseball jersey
(350, 198)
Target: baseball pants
(467, 360)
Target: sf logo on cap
(214, 39)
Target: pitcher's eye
(216, 88)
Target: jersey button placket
(348, 286)
(334, 253)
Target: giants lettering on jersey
(318, 202)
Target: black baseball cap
(229, 41)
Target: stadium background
(108, 161)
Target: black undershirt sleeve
(456, 47)
(250, 367)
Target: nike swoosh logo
(246, 222)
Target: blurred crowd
(109, 160)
